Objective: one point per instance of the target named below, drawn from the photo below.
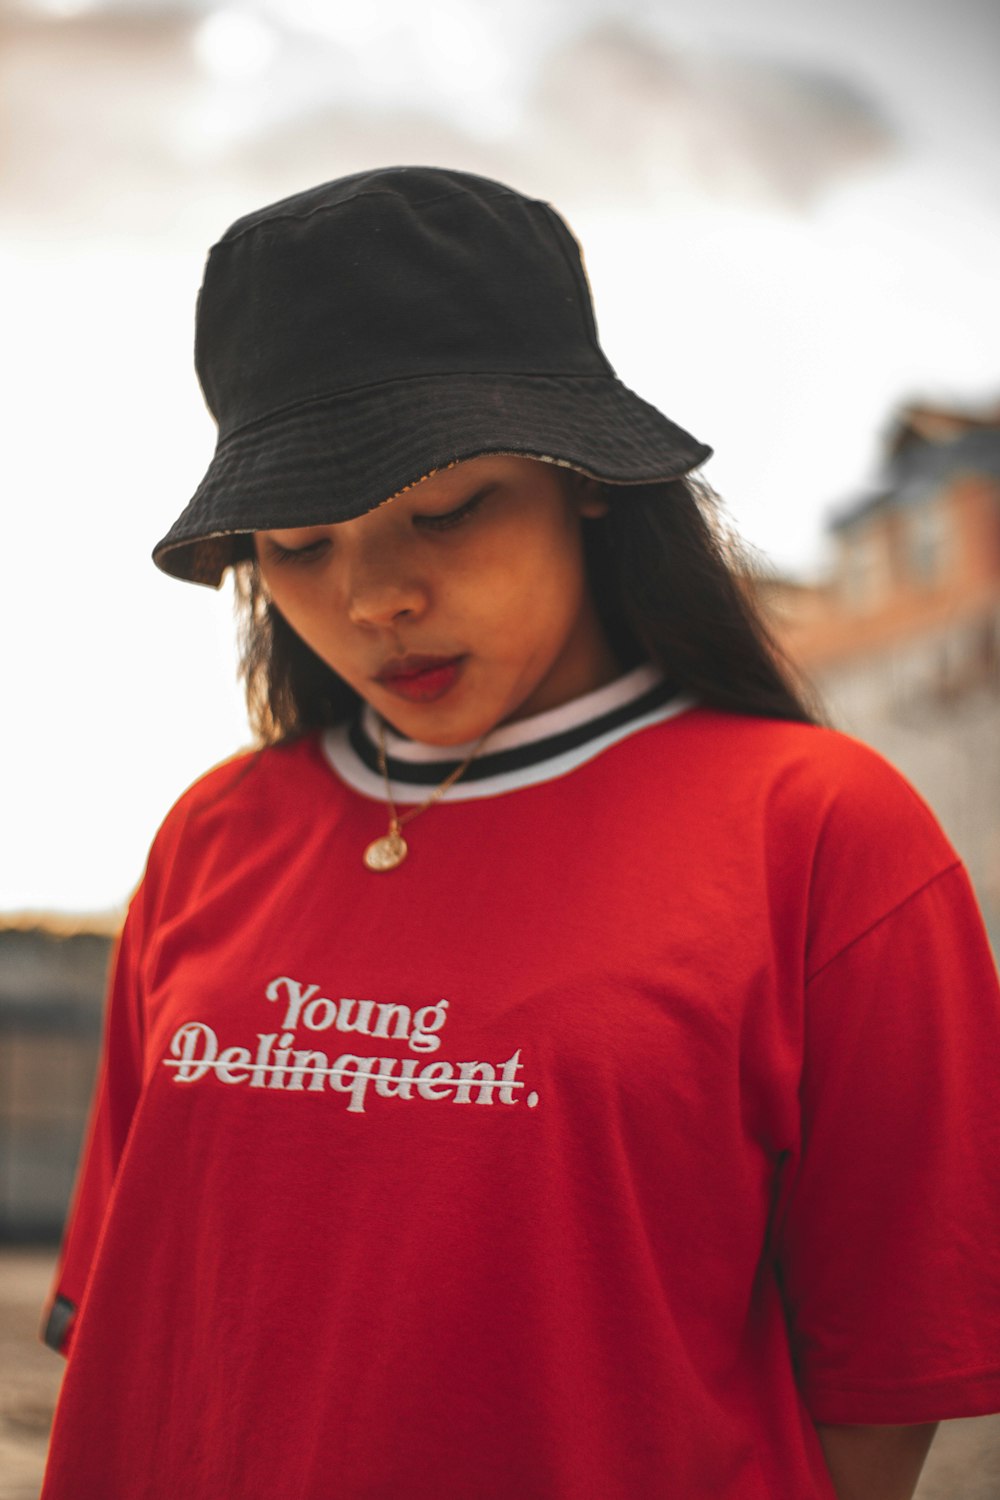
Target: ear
(589, 496)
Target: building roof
(924, 450)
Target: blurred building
(903, 640)
(51, 999)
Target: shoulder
(805, 771)
(838, 832)
(237, 799)
(247, 773)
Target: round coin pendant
(387, 852)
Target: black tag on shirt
(57, 1326)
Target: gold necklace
(391, 849)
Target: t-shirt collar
(516, 755)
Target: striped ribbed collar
(515, 755)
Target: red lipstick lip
(421, 679)
(406, 667)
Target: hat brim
(331, 460)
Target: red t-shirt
(644, 1116)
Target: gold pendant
(387, 852)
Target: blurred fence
(51, 1000)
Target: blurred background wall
(791, 223)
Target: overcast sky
(791, 222)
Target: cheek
(311, 615)
(528, 610)
(538, 569)
(287, 602)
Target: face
(461, 604)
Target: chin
(434, 724)
(454, 719)
(429, 733)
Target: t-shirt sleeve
(120, 1073)
(117, 1090)
(888, 1250)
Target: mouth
(421, 679)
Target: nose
(382, 589)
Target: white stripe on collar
(629, 688)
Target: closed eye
(279, 554)
(454, 517)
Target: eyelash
(305, 555)
(295, 555)
(452, 517)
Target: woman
(627, 1125)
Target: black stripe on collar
(535, 752)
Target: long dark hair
(672, 584)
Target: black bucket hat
(356, 338)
